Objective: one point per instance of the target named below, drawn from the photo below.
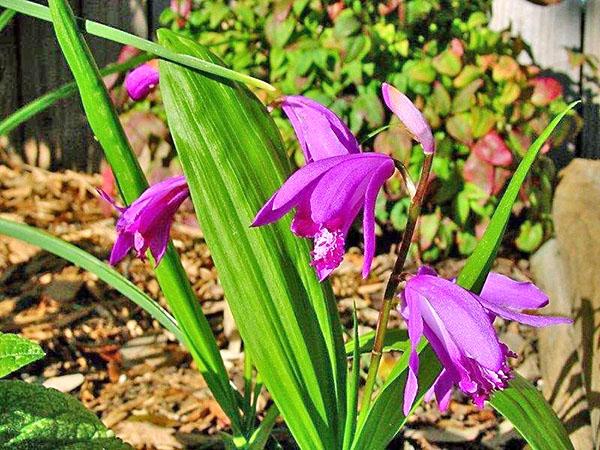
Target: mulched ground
(120, 363)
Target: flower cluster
(337, 182)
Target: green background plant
(464, 76)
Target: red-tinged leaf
(545, 89)
(480, 173)
(447, 63)
(457, 47)
(493, 150)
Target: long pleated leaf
(233, 158)
(520, 403)
(113, 34)
(89, 262)
(131, 182)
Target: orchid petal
(375, 184)
(415, 332)
(463, 317)
(527, 319)
(410, 116)
(507, 293)
(321, 133)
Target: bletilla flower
(337, 181)
(146, 223)
(140, 81)
(459, 326)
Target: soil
(122, 365)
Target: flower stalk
(393, 282)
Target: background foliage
(485, 107)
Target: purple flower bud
(140, 81)
(146, 223)
(410, 116)
(459, 326)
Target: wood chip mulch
(121, 364)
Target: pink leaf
(545, 89)
(492, 149)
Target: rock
(65, 383)
(576, 216)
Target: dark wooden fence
(31, 64)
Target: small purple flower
(140, 81)
(459, 326)
(146, 223)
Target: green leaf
(33, 417)
(16, 352)
(130, 179)
(385, 418)
(532, 415)
(479, 264)
(92, 264)
(50, 98)
(260, 437)
(116, 35)
(6, 17)
(353, 385)
(234, 159)
(530, 236)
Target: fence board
(590, 142)
(128, 15)
(549, 29)
(56, 132)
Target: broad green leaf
(538, 423)
(16, 352)
(92, 264)
(120, 36)
(33, 417)
(50, 98)
(234, 159)
(130, 179)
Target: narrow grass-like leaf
(507, 402)
(50, 98)
(234, 159)
(385, 417)
(89, 262)
(476, 270)
(131, 182)
(353, 385)
(395, 340)
(122, 37)
(5, 18)
(16, 352)
(260, 437)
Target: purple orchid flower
(140, 81)
(146, 223)
(336, 183)
(459, 326)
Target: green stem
(122, 37)
(50, 98)
(392, 285)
